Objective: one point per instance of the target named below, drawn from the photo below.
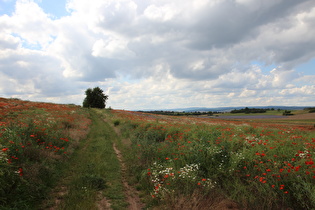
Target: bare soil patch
(102, 202)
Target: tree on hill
(95, 98)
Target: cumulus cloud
(158, 53)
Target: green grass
(94, 169)
(47, 156)
(31, 154)
(258, 167)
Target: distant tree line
(310, 109)
(250, 110)
(174, 113)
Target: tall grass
(34, 145)
(258, 167)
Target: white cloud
(112, 48)
(31, 24)
(247, 93)
(158, 53)
(306, 90)
(164, 13)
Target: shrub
(116, 122)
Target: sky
(159, 54)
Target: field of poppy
(35, 139)
(257, 165)
(174, 161)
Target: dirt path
(94, 177)
(131, 194)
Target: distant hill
(228, 109)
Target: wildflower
(5, 149)
(20, 171)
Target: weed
(257, 166)
(116, 122)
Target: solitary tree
(95, 98)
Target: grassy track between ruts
(94, 171)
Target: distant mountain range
(227, 109)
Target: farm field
(299, 118)
(216, 163)
(62, 157)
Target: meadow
(204, 163)
(36, 140)
(174, 162)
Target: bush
(116, 122)
(287, 113)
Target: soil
(131, 194)
(58, 195)
(102, 202)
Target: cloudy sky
(154, 54)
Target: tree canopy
(95, 98)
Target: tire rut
(131, 194)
